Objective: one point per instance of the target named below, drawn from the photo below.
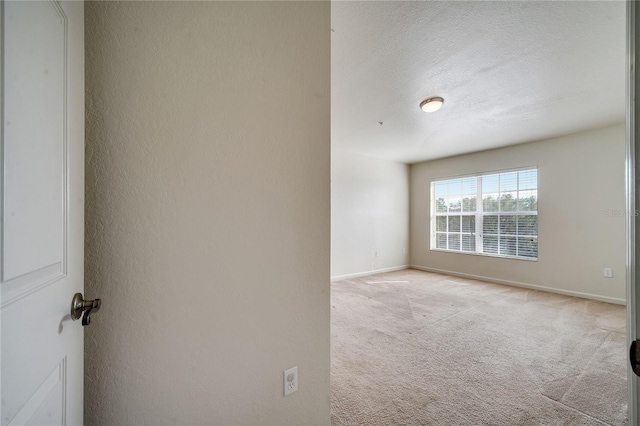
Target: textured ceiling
(510, 72)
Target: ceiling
(510, 72)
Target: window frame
(479, 216)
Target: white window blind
(493, 214)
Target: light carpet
(417, 348)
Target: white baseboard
(364, 274)
(607, 299)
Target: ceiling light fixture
(432, 104)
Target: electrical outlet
(608, 273)
(290, 381)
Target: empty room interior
(312, 213)
(478, 213)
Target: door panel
(51, 411)
(34, 178)
(42, 184)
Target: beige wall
(208, 211)
(369, 215)
(580, 214)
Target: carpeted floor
(416, 348)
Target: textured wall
(581, 204)
(207, 218)
(369, 214)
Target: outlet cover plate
(608, 273)
(290, 381)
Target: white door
(42, 203)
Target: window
(492, 214)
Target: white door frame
(632, 220)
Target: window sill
(499, 256)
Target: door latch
(79, 305)
(634, 357)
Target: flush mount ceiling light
(432, 104)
